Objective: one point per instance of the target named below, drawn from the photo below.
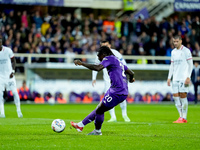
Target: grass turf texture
(151, 127)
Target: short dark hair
(105, 50)
(177, 37)
(105, 41)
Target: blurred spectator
(37, 20)
(193, 37)
(156, 98)
(126, 28)
(24, 92)
(168, 97)
(75, 21)
(139, 26)
(87, 98)
(196, 25)
(196, 51)
(195, 77)
(147, 98)
(108, 25)
(76, 33)
(130, 51)
(70, 34)
(11, 18)
(39, 99)
(44, 27)
(24, 19)
(60, 99)
(47, 96)
(130, 98)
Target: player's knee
(183, 95)
(99, 111)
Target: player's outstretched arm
(89, 66)
(131, 75)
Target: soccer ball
(58, 125)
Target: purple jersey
(116, 71)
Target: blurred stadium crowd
(85, 97)
(67, 34)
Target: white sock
(123, 106)
(184, 102)
(112, 113)
(2, 103)
(178, 105)
(16, 100)
(98, 130)
(80, 124)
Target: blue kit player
(117, 92)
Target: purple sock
(98, 121)
(89, 118)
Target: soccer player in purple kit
(117, 92)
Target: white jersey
(5, 63)
(179, 58)
(105, 72)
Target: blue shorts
(111, 100)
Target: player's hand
(11, 75)
(187, 81)
(168, 82)
(78, 62)
(131, 81)
(93, 83)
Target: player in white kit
(106, 79)
(7, 78)
(181, 69)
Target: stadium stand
(37, 32)
(66, 34)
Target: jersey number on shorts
(108, 98)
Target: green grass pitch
(151, 127)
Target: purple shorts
(111, 99)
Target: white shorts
(8, 84)
(179, 87)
